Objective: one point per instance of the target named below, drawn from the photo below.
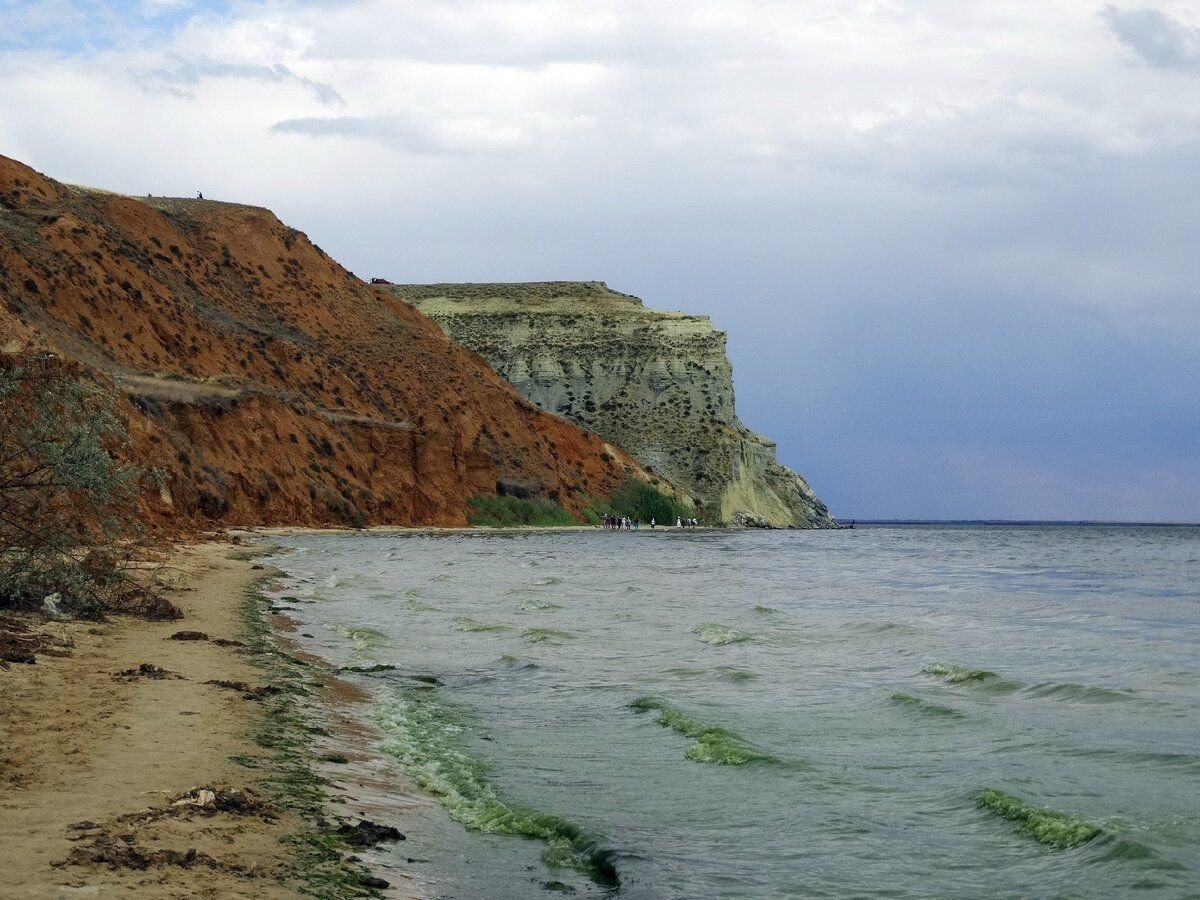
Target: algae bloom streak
(1047, 826)
(713, 745)
(425, 735)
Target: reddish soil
(270, 385)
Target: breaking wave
(719, 635)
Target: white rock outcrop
(658, 384)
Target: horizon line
(1126, 522)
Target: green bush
(65, 503)
(507, 512)
(643, 501)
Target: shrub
(643, 501)
(65, 502)
(509, 511)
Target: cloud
(922, 224)
(1160, 40)
(432, 134)
(184, 74)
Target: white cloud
(822, 162)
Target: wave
(686, 671)
(1046, 826)
(1185, 762)
(365, 641)
(466, 623)
(719, 635)
(425, 735)
(952, 674)
(957, 674)
(894, 628)
(765, 610)
(1079, 692)
(926, 706)
(421, 606)
(532, 605)
(545, 635)
(729, 673)
(713, 745)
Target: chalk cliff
(658, 384)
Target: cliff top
(591, 298)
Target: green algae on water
(427, 736)
(713, 745)
(286, 767)
(1047, 826)
(719, 635)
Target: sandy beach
(126, 767)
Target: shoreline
(153, 766)
(257, 532)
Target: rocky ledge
(658, 384)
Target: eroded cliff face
(659, 384)
(267, 383)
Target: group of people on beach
(625, 523)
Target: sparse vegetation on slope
(506, 512)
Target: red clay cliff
(269, 384)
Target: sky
(955, 245)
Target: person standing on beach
(652, 523)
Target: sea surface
(695, 714)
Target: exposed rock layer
(269, 384)
(657, 383)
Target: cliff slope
(657, 383)
(269, 384)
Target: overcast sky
(955, 244)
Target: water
(783, 714)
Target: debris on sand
(119, 853)
(189, 636)
(145, 670)
(19, 642)
(208, 801)
(247, 692)
(367, 833)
